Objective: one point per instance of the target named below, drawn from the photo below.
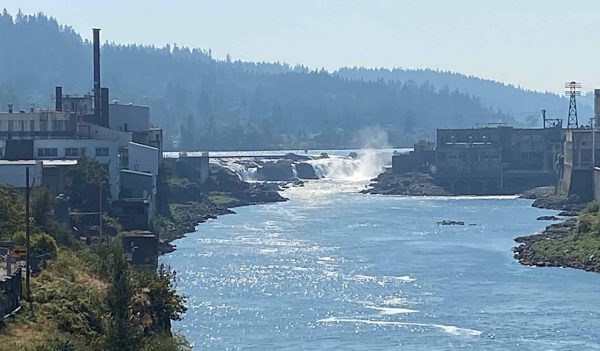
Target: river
(333, 269)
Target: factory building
(497, 159)
(494, 159)
(118, 136)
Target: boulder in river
(276, 171)
(306, 171)
(450, 222)
(548, 218)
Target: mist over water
(368, 164)
(374, 155)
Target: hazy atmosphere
(323, 175)
(537, 44)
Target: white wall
(13, 173)
(129, 117)
(89, 145)
(143, 158)
(89, 130)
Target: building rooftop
(19, 162)
(143, 146)
(136, 172)
(59, 162)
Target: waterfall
(366, 166)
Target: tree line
(205, 104)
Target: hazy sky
(538, 44)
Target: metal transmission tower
(573, 89)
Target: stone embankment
(414, 184)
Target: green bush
(166, 342)
(592, 207)
(41, 243)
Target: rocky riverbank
(560, 245)
(414, 184)
(545, 197)
(572, 243)
(190, 204)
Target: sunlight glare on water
(332, 269)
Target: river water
(333, 269)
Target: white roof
(59, 162)
(18, 163)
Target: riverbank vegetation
(91, 300)
(84, 295)
(574, 243)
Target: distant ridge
(203, 103)
(519, 102)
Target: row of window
(30, 126)
(69, 151)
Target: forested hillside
(205, 103)
(524, 105)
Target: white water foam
(368, 164)
(403, 278)
(395, 301)
(389, 311)
(247, 174)
(450, 329)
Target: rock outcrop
(571, 203)
(416, 184)
(548, 218)
(276, 171)
(305, 170)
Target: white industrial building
(60, 135)
(118, 136)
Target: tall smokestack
(597, 107)
(58, 99)
(97, 97)
(104, 107)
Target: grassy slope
(578, 249)
(69, 307)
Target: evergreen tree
(123, 334)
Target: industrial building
(118, 136)
(493, 159)
(497, 159)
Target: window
(101, 151)
(58, 125)
(1, 151)
(43, 126)
(22, 125)
(74, 152)
(32, 125)
(47, 152)
(10, 125)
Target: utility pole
(100, 212)
(544, 118)
(28, 242)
